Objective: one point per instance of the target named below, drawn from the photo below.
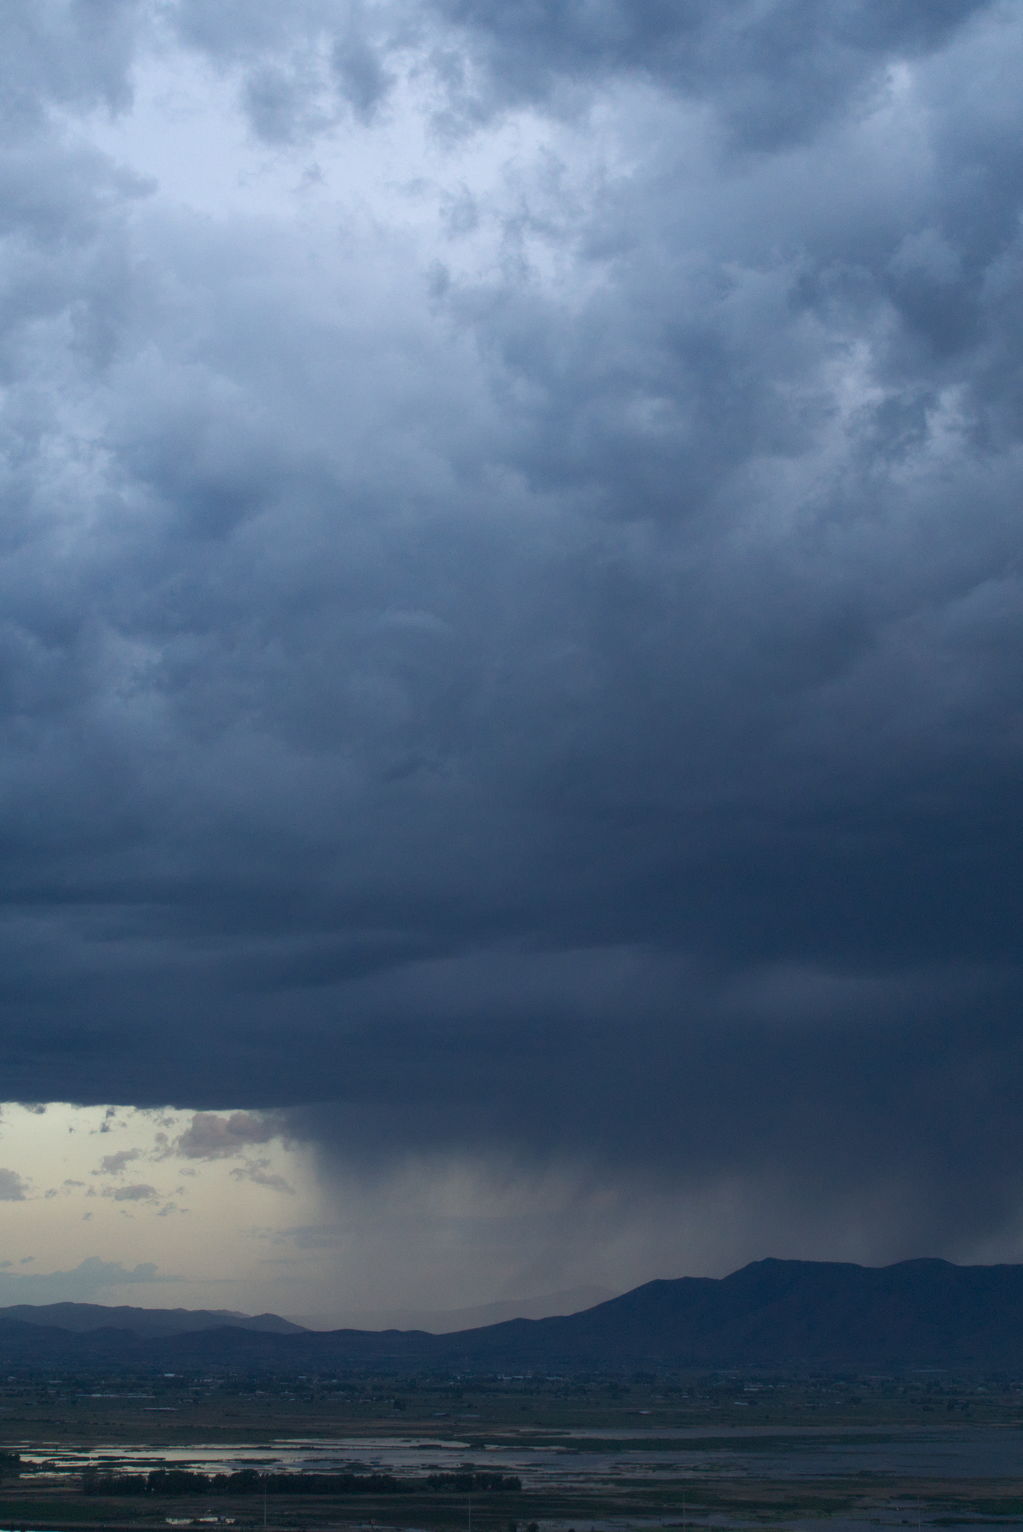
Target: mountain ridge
(80, 1318)
(770, 1313)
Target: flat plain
(590, 1454)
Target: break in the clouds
(511, 618)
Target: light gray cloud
(260, 1174)
(68, 52)
(13, 1187)
(115, 1164)
(139, 1191)
(211, 1137)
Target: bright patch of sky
(471, 202)
(153, 1208)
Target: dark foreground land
(922, 1448)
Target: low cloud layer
(89, 1280)
(529, 673)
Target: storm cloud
(531, 674)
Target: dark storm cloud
(567, 718)
(771, 73)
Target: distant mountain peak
(771, 1313)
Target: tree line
(248, 1481)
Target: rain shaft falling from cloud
(512, 616)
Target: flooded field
(570, 1458)
(559, 1458)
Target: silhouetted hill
(99, 1316)
(783, 1314)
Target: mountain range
(81, 1318)
(772, 1313)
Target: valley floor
(816, 1454)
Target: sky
(510, 644)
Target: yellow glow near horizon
(129, 1188)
